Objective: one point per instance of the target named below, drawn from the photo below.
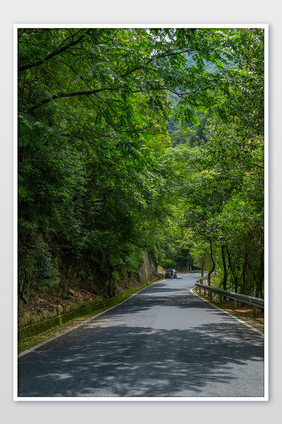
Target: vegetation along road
(163, 342)
(140, 150)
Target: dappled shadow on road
(163, 296)
(121, 355)
(161, 289)
(126, 361)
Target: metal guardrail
(255, 302)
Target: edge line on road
(83, 322)
(229, 314)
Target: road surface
(162, 342)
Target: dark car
(170, 273)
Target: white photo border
(266, 216)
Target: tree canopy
(139, 139)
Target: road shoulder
(256, 324)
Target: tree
(94, 190)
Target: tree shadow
(123, 354)
(162, 296)
(125, 361)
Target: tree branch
(74, 94)
(170, 52)
(55, 53)
(90, 92)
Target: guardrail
(255, 302)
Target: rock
(59, 309)
(27, 318)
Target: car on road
(171, 273)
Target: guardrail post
(237, 298)
(255, 311)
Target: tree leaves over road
(99, 180)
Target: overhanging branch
(53, 54)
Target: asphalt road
(163, 342)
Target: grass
(40, 332)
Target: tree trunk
(244, 274)
(259, 289)
(224, 281)
(233, 272)
(213, 266)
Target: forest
(136, 140)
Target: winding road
(162, 342)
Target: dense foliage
(100, 178)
